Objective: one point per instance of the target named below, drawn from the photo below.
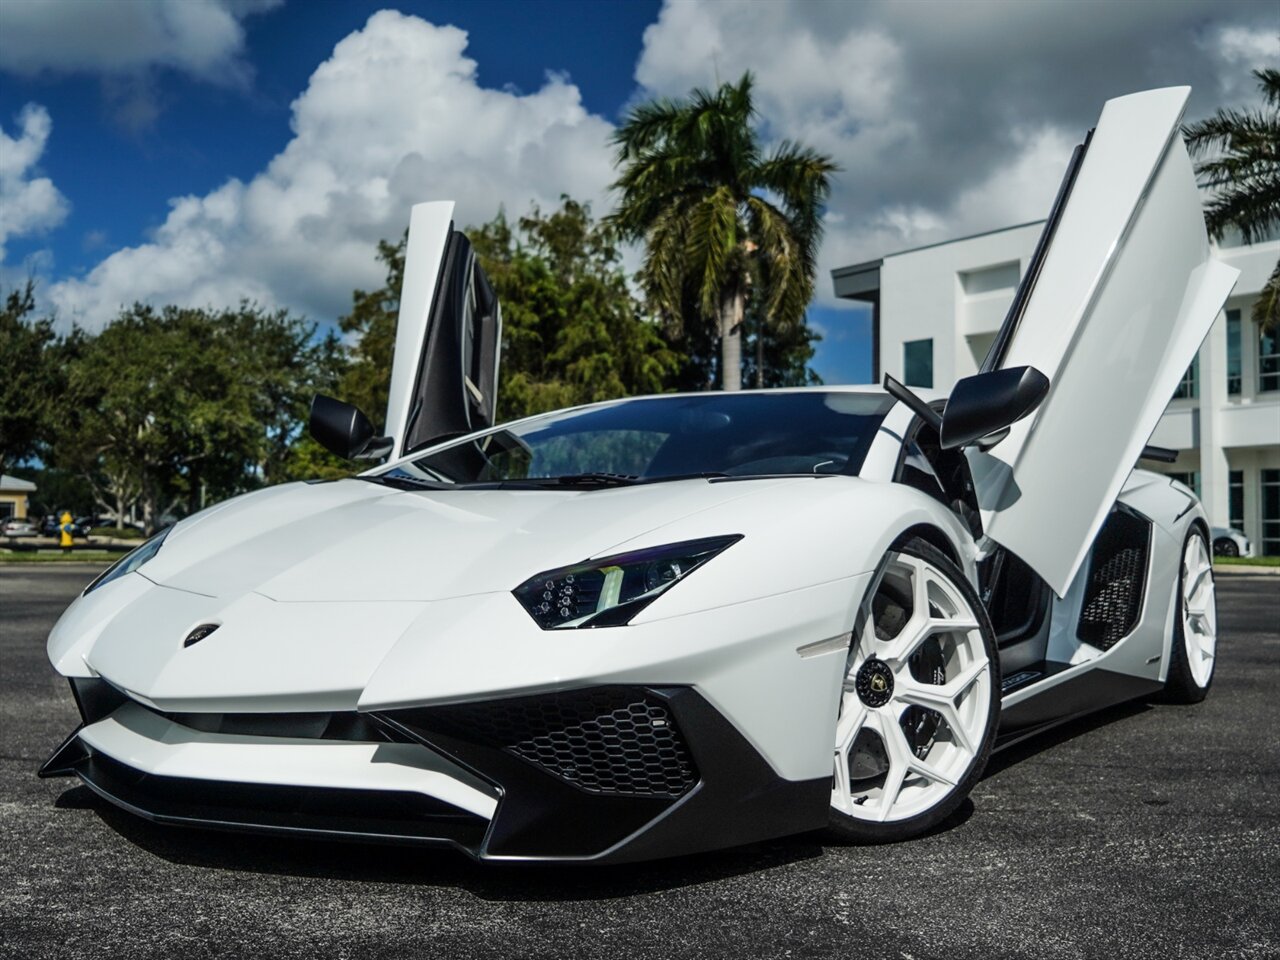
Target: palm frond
(1239, 164)
(1266, 309)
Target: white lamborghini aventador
(665, 624)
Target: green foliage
(572, 331)
(57, 490)
(1240, 166)
(727, 230)
(371, 329)
(31, 375)
(175, 407)
(787, 351)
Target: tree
(29, 375)
(722, 223)
(176, 407)
(773, 355)
(572, 331)
(1241, 168)
(371, 326)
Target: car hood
(309, 586)
(352, 540)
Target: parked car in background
(14, 527)
(48, 526)
(1230, 542)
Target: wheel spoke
(903, 762)
(944, 700)
(897, 749)
(852, 718)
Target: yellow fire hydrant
(66, 529)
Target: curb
(1244, 570)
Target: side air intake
(1117, 580)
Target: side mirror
(986, 404)
(342, 429)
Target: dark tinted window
(747, 434)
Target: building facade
(15, 497)
(936, 310)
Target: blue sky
(203, 150)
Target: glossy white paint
(429, 225)
(1125, 297)
(154, 745)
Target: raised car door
(1112, 311)
(444, 374)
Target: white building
(936, 310)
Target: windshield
(656, 438)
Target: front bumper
(600, 774)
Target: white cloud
(395, 116)
(200, 37)
(948, 118)
(28, 203)
(128, 44)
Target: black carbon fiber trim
(616, 741)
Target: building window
(917, 363)
(1234, 365)
(7, 509)
(1187, 385)
(1235, 499)
(1271, 513)
(1190, 478)
(1269, 361)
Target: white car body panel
(1126, 295)
(157, 746)
(429, 225)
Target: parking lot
(1146, 831)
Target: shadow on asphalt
(1041, 742)
(506, 881)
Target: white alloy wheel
(1199, 610)
(918, 702)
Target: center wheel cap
(874, 683)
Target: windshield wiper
(595, 480)
(403, 481)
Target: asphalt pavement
(1145, 831)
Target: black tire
(846, 828)
(1225, 547)
(1180, 686)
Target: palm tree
(1241, 165)
(721, 221)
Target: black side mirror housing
(985, 404)
(342, 429)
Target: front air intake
(616, 741)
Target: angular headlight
(130, 561)
(610, 591)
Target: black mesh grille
(1117, 580)
(609, 740)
